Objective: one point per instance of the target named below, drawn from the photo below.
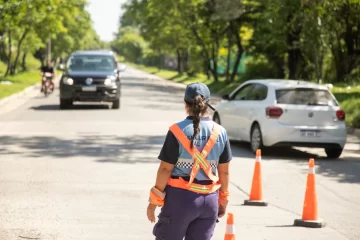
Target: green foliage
(130, 45)
(258, 67)
(349, 98)
(32, 63)
(21, 80)
(27, 26)
(352, 110)
(309, 40)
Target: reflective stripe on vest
(199, 162)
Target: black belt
(187, 178)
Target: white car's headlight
(68, 81)
(110, 80)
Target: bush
(352, 110)
(2, 68)
(259, 67)
(32, 63)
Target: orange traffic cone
(230, 227)
(256, 198)
(310, 211)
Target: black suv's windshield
(305, 96)
(91, 63)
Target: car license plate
(89, 89)
(309, 133)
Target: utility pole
(49, 49)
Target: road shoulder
(14, 101)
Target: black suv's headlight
(110, 80)
(68, 81)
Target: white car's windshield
(305, 96)
(91, 63)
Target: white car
(272, 112)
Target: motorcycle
(48, 84)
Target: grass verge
(349, 98)
(19, 81)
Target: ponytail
(197, 108)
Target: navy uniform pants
(187, 214)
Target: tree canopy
(27, 26)
(297, 39)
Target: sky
(105, 16)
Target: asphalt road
(85, 173)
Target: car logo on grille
(311, 114)
(89, 81)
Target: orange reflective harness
(199, 162)
(157, 197)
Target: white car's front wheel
(256, 138)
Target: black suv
(90, 76)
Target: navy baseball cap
(195, 89)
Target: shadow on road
(346, 169)
(52, 107)
(145, 149)
(102, 149)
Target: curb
(25, 92)
(5, 103)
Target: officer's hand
(151, 212)
(222, 211)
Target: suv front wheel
(116, 104)
(64, 103)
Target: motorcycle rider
(48, 68)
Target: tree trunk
(215, 73)
(182, 58)
(294, 52)
(348, 60)
(236, 33)
(214, 55)
(179, 62)
(227, 71)
(23, 61)
(207, 69)
(340, 64)
(279, 65)
(319, 61)
(159, 64)
(13, 68)
(204, 51)
(9, 56)
(3, 55)
(186, 60)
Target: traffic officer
(189, 190)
